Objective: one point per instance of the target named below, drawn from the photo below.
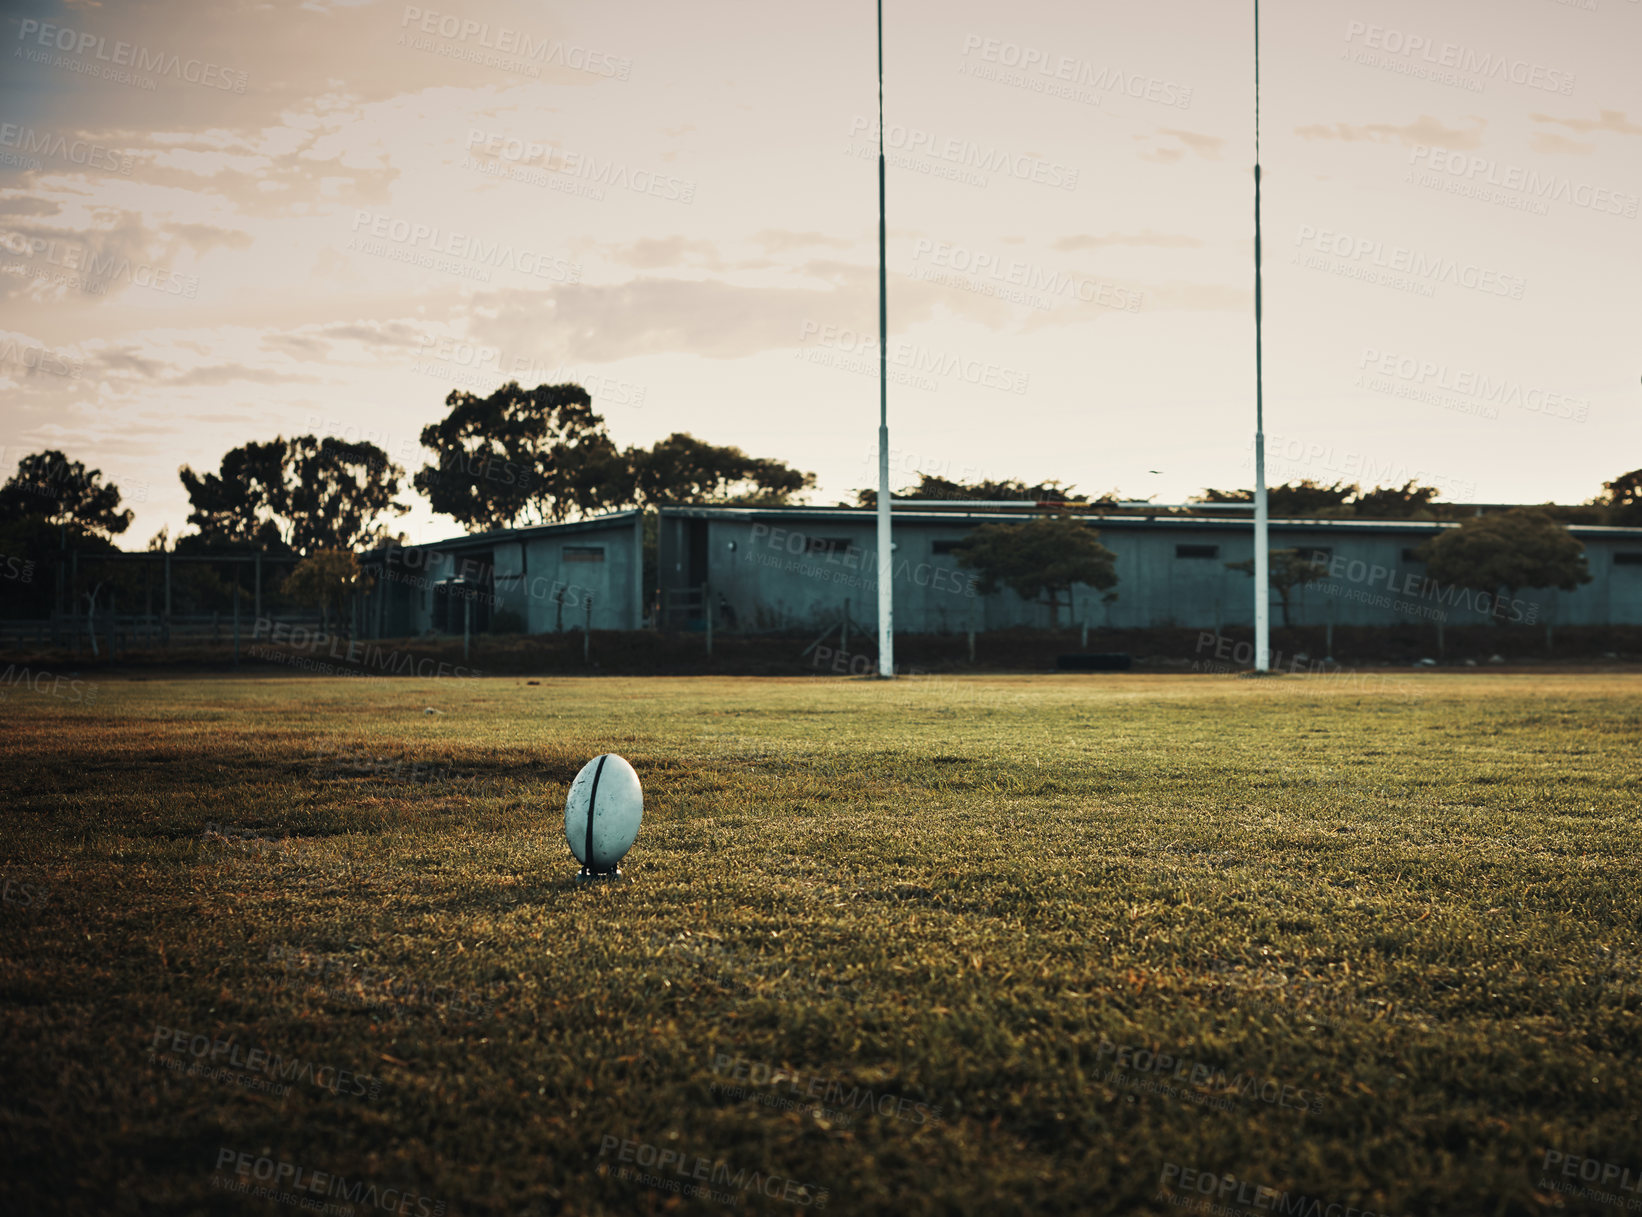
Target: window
(943, 547)
(584, 553)
(1628, 557)
(1411, 555)
(1197, 551)
(826, 545)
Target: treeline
(533, 456)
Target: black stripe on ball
(592, 801)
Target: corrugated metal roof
(866, 515)
(496, 535)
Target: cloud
(18, 205)
(1207, 146)
(203, 237)
(654, 253)
(1163, 240)
(1203, 145)
(778, 240)
(1173, 296)
(650, 316)
(1614, 121)
(1423, 130)
(235, 373)
(1552, 144)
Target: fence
(105, 635)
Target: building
(773, 570)
(540, 580)
(805, 568)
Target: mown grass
(1404, 911)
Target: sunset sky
(228, 221)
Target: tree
(538, 454)
(1623, 498)
(337, 492)
(684, 469)
(1410, 501)
(1504, 551)
(1288, 569)
(1302, 498)
(326, 579)
(241, 503)
(1039, 557)
(1337, 500)
(49, 487)
(294, 496)
(931, 487)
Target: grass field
(992, 945)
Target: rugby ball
(602, 812)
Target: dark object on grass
(1110, 661)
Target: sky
(221, 222)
